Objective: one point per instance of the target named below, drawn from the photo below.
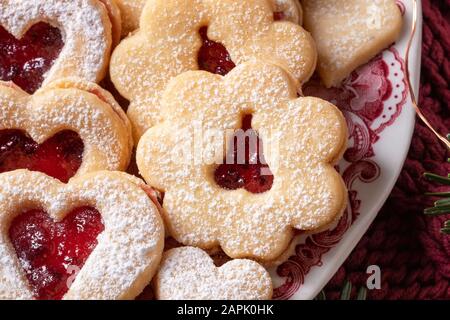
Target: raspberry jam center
(25, 61)
(51, 253)
(279, 15)
(252, 174)
(213, 56)
(59, 157)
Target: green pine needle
(446, 228)
(321, 296)
(438, 194)
(345, 293)
(442, 203)
(437, 178)
(362, 294)
(441, 206)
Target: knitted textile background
(413, 255)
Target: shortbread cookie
(131, 10)
(298, 188)
(51, 39)
(177, 36)
(108, 233)
(67, 128)
(115, 18)
(349, 33)
(188, 273)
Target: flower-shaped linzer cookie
(177, 36)
(302, 137)
(131, 11)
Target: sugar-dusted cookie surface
(77, 38)
(123, 259)
(173, 33)
(348, 33)
(68, 104)
(188, 273)
(302, 137)
(115, 17)
(290, 10)
(131, 10)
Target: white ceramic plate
(380, 116)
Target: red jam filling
(25, 61)
(51, 253)
(212, 56)
(279, 15)
(59, 157)
(254, 174)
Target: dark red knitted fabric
(413, 255)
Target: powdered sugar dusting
(128, 251)
(189, 274)
(350, 32)
(85, 27)
(106, 138)
(291, 10)
(168, 42)
(130, 11)
(302, 139)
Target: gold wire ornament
(411, 91)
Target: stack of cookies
(139, 139)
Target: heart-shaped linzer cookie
(68, 128)
(44, 40)
(349, 33)
(97, 237)
(188, 273)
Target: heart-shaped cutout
(25, 61)
(188, 273)
(118, 245)
(41, 41)
(59, 157)
(51, 253)
(252, 174)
